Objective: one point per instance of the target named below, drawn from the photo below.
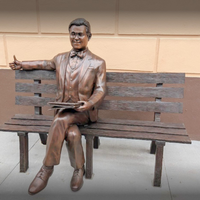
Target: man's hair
(79, 22)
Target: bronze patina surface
(81, 77)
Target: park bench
(125, 92)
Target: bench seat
(116, 128)
(131, 129)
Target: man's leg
(56, 136)
(76, 157)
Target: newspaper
(64, 105)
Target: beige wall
(131, 35)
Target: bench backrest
(125, 91)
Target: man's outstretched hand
(16, 64)
(85, 105)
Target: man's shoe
(40, 181)
(77, 179)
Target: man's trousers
(64, 127)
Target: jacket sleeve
(100, 86)
(39, 64)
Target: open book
(64, 105)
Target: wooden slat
(167, 107)
(29, 122)
(122, 91)
(24, 117)
(137, 135)
(111, 76)
(33, 117)
(32, 101)
(35, 74)
(105, 133)
(36, 88)
(146, 77)
(141, 129)
(30, 129)
(140, 123)
(121, 127)
(107, 121)
(162, 92)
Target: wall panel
(35, 48)
(18, 16)
(126, 54)
(56, 15)
(159, 17)
(2, 52)
(179, 55)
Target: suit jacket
(92, 78)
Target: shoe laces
(76, 172)
(41, 175)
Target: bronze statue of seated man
(81, 77)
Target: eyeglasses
(79, 35)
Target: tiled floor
(123, 169)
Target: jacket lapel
(86, 64)
(63, 66)
(63, 70)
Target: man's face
(78, 37)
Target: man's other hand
(85, 105)
(15, 65)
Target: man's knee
(73, 134)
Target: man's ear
(89, 36)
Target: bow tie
(79, 54)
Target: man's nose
(76, 36)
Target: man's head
(79, 30)
(79, 22)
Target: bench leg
(96, 142)
(43, 138)
(158, 164)
(89, 156)
(153, 147)
(23, 147)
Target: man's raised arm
(31, 65)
